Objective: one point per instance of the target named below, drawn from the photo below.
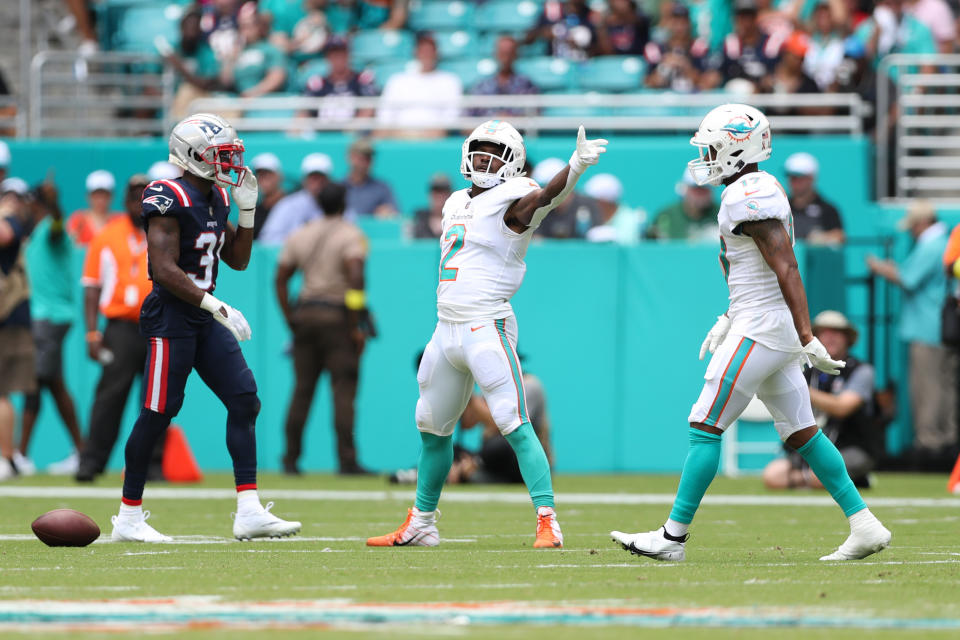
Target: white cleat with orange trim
(418, 530)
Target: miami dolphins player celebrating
(760, 343)
(486, 231)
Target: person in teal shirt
(259, 68)
(892, 30)
(49, 256)
(932, 366)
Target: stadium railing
(646, 112)
(918, 127)
(104, 94)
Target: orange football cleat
(415, 531)
(549, 535)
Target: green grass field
(749, 566)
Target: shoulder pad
(516, 188)
(756, 197)
(454, 201)
(162, 197)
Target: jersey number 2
(457, 233)
(210, 244)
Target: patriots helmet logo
(739, 128)
(161, 203)
(209, 128)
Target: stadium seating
(315, 67)
(124, 25)
(549, 74)
(436, 16)
(611, 73)
(454, 45)
(376, 45)
(498, 16)
(385, 68)
(470, 71)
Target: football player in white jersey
(760, 344)
(486, 231)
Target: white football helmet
(512, 153)
(207, 146)
(729, 138)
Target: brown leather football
(65, 528)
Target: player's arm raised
(774, 244)
(237, 244)
(163, 251)
(530, 210)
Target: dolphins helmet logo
(739, 128)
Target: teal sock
(436, 457)
(533, 464)
(699, 469)
(827, 463)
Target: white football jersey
(757, 308)
(482, 259)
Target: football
(65, 528)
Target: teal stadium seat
(162, 20)
(384, 69)
(611, 74)
(486, 43)
(315, 67)
(454, 45)
(497, 16)
(436, 15)
(470, 71)
(377, 45)
(547, 73)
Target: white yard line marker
(469, 497)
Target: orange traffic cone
(179, 465)
(953, 484)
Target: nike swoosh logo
(157, 188)
(475, 328)
(410, 541)
(750, 193)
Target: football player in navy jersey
(187, 328)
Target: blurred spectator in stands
(939, 18)
(622, 30)
(788, 76)
(258, 68)
(677, 63)
(4, 160)
(843, 407)
(307, 37)
(428, 222)
(194, 61)
(218, 23)
(892, 30)
(341, 83)
(575, 216)
(83, 224)
(777, 18)
(301, 206)
(506, 81)
(82, 13)
(932, 366)
(826, 47)
(692, 217)
(7, 111)
(567, 26)
(115, 282)
(620, 223)
(814, 219)
(52, 282)
(270, 183)
(17, 360)
(163, 170)
(380, 14)
(366, 195)
(747, 52)
(855, 75)
(421, 103)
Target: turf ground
(752, 564)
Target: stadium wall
(613, 332)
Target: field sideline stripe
(517, 497)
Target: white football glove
(587, 152)
(226, 315)
(818, 357)
(715, 336)
(245, 195)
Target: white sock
(424, 517)
(676, 529)
(131, 512)
(248, 501)
(861, 519)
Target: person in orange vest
(115, 282)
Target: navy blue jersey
(203, 226)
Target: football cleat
(863, 542)
(133, 529)
(414, 532)
(66, 467)
(262, 524)
(23, 464)
(549, 535)
(651, 544)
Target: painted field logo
(739, 128)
